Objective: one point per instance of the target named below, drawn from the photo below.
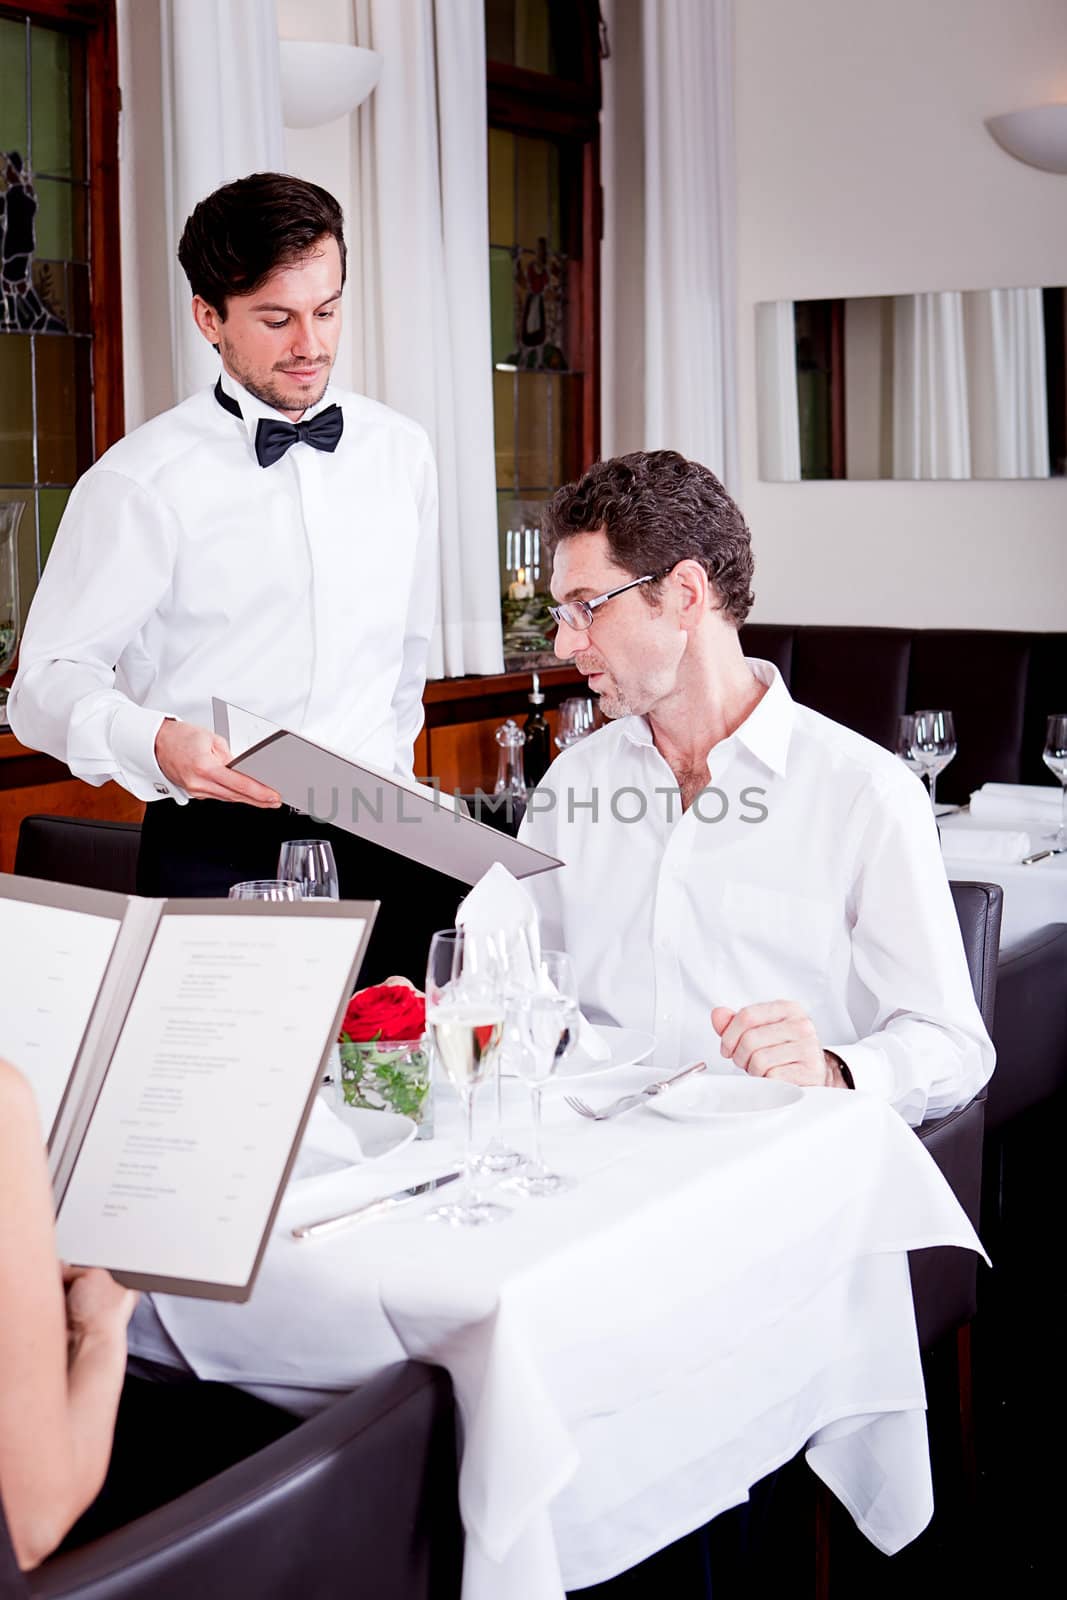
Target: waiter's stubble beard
(263, 390)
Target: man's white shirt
(304, 592)
(809, 870)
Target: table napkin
(328, 1144)
(984, 844)
(1016, 802)
(499, 903)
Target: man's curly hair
(656, 509)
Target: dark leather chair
(359, 1500)
(945, 1280)
(89, 851)
(1030, 1027)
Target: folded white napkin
(328, 1143)
(1016, 802)
(984, 844)
(499, 903)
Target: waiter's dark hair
(239, 235)
(655, 509)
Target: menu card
(175, 1048)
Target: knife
(1058, 850)
(373, 1208)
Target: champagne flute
(549, 1018)
(1054, 756)
(512, 956)
(311, 864)
(465, 1016)
(266, 889)
(934, 746)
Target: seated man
(725, 846)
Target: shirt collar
(253, 410)
(766, 730)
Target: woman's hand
(96, 1304)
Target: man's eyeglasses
(579, 613)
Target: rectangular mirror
(950, 384)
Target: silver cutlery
(373, 1208)
(628, 1101)
(1039, 855)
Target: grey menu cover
(410, 818)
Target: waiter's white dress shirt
(808, 871)
(303, 592)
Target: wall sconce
(321, 82)
(1037, 136)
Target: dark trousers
(199, 850)
(169, 1437)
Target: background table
(1034, 896)
(629, 1356)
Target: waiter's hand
(195, 759)
(776, 1040)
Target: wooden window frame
(94, 22)
(537, 103)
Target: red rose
(385, 1011)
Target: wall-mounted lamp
(321, 82)
(1037, 136)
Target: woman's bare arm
(62, 1356)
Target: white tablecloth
(629, 1356)
(1034, 896)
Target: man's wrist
(837, 1066)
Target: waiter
(271, 541)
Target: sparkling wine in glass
(549, 1019)
(266, 889)
(1054, 756)
(465, 1009)
(311, 864)
(934, 746)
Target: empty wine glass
(266, 889)
(577, 717)
(933, 746)
(905, 740)
(465, 1009)
(310, 863)
(549, 1020)
(1054, 756)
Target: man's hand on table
(195, 760)
(777, 1039)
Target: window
(60, 329)
(544, 234)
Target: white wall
(864, 168)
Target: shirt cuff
(870, 1070)
(133, 745)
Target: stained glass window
(46, 372)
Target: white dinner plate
(626, 1046)
(724, 1095)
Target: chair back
(89, 851)
(979, 907)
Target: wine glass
(576, 719)
(465, 1009)
(310, 863)
(934, 745)
(549, 1020)
(905, 740)
(266, 889)
(1054, 756)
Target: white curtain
(776, 391)
(421, 232)
(222, 119)
(668, 327)
(931, 430)
(1005, 331)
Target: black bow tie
(273, 438)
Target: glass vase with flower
(384, 1064)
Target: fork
(628, 1101)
